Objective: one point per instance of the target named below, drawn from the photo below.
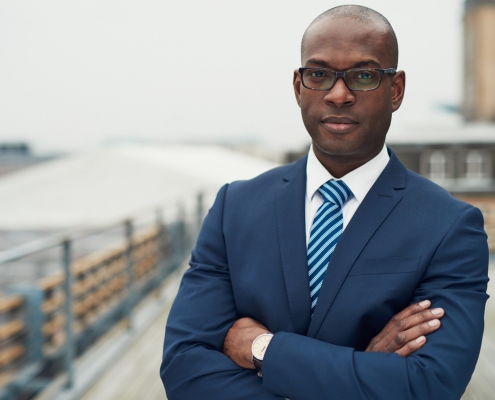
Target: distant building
(460, 159)
(464, 167)
(14, 156)
(479, 60)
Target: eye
(364, 75)
(318, 74)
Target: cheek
(374, 110)
(310, 120)
(311, 109)
(380, 102)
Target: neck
(340, 165)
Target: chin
(336, 148)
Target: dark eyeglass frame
(342, 74)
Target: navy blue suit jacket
(408, 241)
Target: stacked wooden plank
(12, 337)
(100, 281)
(145, 255)
(54, 318)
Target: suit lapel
(376, 206)
(292, 242)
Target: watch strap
(257, 364)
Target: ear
(397, 89)
(296, 82)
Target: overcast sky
(78, 74)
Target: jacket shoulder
(269, 179)
(433, 195)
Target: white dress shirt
(359, 181)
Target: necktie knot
(336, 192)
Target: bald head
(363, 15)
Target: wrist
(258, 349)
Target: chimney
(479, 60)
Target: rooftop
(478, 133)
(103, 186)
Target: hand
(240, 337)
(405, 332)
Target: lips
(339, 124)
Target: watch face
(260, 344)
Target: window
(437, 165)
(475, 165)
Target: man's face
(342, 123)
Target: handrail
(53, 320)
(79, 232)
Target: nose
(340, 95)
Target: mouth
(339, 124)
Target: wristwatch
(258, 348)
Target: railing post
(160, 247)
(200, 212)
(180, 234)
(69, 344)
(129, 230)
(33, 318)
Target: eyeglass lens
(359, 79)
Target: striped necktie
(325, 232)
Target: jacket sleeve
(193, 365)
(456, 278)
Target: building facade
(461, 168)
(460, 160)
(479, 60)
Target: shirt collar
(359, 180)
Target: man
(269, 288)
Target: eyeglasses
(359, 79)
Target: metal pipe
(129, 230)
(69, 344)
(199, 211)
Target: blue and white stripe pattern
(325, 232)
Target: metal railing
(48, 322)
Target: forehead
(342, 42)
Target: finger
(405, 313)
(392, 336)
(414, 320)
(419, 318)
(411, 347)
(401, 338)
(401, 332)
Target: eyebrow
(359, 64)
(365, 63)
